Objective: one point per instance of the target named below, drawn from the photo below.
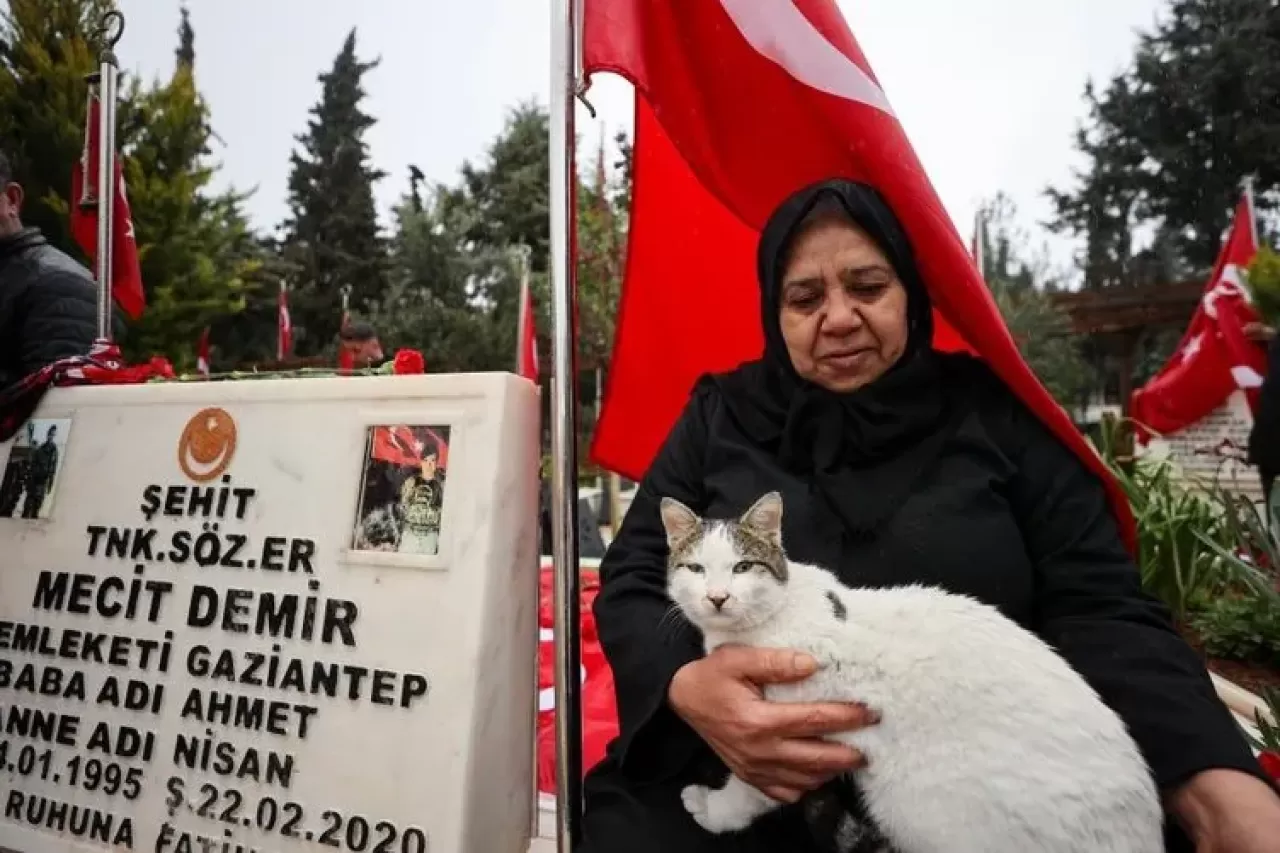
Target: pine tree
(509, 196)
(455, 270)
(46, 50)
(333, 237)
(186, 52)
(1169, 140)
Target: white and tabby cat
(988, 742)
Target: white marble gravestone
(274, 615)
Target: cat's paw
(708, 807)
(694, 798)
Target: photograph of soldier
(31, 472)
(402, 491)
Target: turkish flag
(527, 360)
(202, 353)
(405, 445)
(1214, 358)
(284, 325)
(126, 273)
(739, 104)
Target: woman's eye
(868, 291)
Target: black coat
(1264, 439)
(48, 306)
(1007, 515)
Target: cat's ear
(678, 520)
(765, 516)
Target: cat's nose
(717, 599)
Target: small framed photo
(402, 490)
(29, 483)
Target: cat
(988, 741)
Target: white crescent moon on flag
(780, 32)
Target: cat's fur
(988, 743)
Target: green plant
(1241, 628)
(1177, 528)
(1264, 282)
(1248, 548)
(1268, 733)
(1193, 543)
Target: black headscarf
(863, 450)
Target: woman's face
(844, 311)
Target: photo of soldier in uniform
(402, 490)
(30, 476)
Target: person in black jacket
(1264, 437)
(897, 465)
(48, 302)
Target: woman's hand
(773, 746)
(1226, 811)
(1259, 333)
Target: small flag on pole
(527, 346)
(284, 337)
(202, 353)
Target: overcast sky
(989, 90)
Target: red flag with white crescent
(126, 271)
(403, 445)
(1215, 358)
(739, 104)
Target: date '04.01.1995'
(91, 774)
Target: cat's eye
(746, 566)
(696, 568)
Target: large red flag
(1214, 358)
(126, 273)
(740, 103)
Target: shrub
(1264, 282)
(1241, 628)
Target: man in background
(359, 347)
(48, 302)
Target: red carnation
(409, 361)
(1271, 764)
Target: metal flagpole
(565, 18)
(980, 242)
(522, 311)
(107, 80)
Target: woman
(903, 465)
